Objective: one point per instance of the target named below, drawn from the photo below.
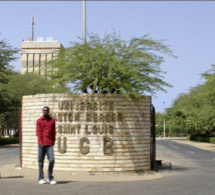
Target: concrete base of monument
(11, 171)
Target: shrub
(201, 138)
(159, 131)
(9, 140)
(193, 137)
(212, 140)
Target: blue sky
(188, 27)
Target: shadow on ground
(171, 168)
(8, 147)
(65, 182)
(12, 177)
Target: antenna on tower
(32, 26)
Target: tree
(112, 65)
(7, 53)
(185, 109)
(13, 86)
(17, 86)
(30, 84)
(195, 110)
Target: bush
(193, 137)
(170, 132)
(212, 140)
(9, 140)
(159, 131)
(201, 138)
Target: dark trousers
(42, 151)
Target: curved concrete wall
(94, 132)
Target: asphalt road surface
(186, 170)
(9, 155)
(185, 156)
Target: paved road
(185, 156)
(9, 155)
(192, 173)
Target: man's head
(45, 111)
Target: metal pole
(84, 21)
(164, 128)
(32, 23)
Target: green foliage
(195, 110)
(174, 126)
(193, 137)
(212, 140)
(112, 65)
(202, 138)
(6, 56)
(9, 140)
(29, 84)
(14, 85)
(159, 131)
(17, 86)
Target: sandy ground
(13, 171)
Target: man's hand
(41, 145)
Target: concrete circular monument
(94, 132)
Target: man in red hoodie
(46, 139)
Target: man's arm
(54, 132)
(39, 133)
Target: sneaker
(53, 182)
(41, 181)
